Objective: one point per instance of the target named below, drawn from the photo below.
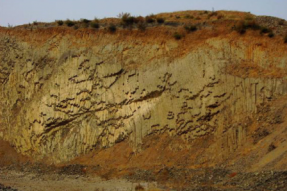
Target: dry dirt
(25, 181)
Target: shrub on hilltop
(85, 21)
(242, 26)
(60, 22)
(95, 25)
(150, 19)
(160, 20)
(70, 23)
(112, 28)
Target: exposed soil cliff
(144, 100)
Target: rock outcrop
(65, 92)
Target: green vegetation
(177, 36)
(69, 23)
(60, 22)
(35, 23)
(190, 28)
(76, 27)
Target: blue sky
(16, 12)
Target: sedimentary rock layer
(65, 93)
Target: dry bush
(177, 36)
(60, 22)
(69, 23)
(160, 20)
(150, 19)
(112, 28)
(95, 25)
(190, 28)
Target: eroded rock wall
(69, 95)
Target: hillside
(192, 100)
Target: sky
(17, 12)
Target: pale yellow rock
(63, 102)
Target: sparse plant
(265, 30)
(251, 24)
(271, 147)
(139, 19)
(198, 18)
(112, 28)
(69, 23)
(60, 22)
(240, 29)
(141, 26)
(121, 15)
(271, 35)
(177, 17)
(190, 28)
(127, 19)
(242, 26)
(96, 20)
(285, 38)
(95, 25)
(76, 27)
(35, 23)
(281, 22)
(150, 19)
(85, 21)
(177, 36)
(160, 20)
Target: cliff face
(66, 92)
